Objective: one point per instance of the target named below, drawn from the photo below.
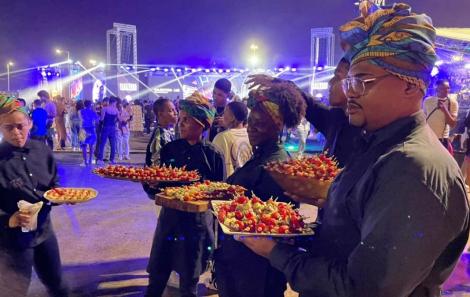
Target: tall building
(322, 47)
(121, 45)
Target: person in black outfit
(27, 170)
(183, 241)
(220, 94)
(397, 217)
(238, 271)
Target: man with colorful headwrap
(27, 170)
(396, 219)
(183, 240)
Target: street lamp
(59, 52)
(9, 64)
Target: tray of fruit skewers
(305, 177)
(254, 217)
(152, 174)
(70, 195)
(196, 197)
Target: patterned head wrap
(9, 105)
(394, 39)
(269, 104)
(198, 107)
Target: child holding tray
(183, 240)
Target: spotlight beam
(136, 78)
(89, 71)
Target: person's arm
(152, 190)
(451, 115)
(404, 229)
(4, 219)
(52, 168)
(103, 112)
(220, 142)
(220, 173)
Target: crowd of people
(93, 128)
(395, 221)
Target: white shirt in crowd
(435, 116)
(235, 146)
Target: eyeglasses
(357, 86)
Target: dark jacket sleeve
(4, 219)
(399, 243)
(317, 113)
(151, 191)
(53, 169)
(220, 172)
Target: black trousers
(16, 269)
(160, 268)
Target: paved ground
(105, 243)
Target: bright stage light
(92, 62)
(178, 70)
(101, 64)
(193, 70)
(320, 68)
(287, 68)
(153, 69)
(10, 63)
(207, 70)
(227, 70)
(457, 58)
(220, 70)
(319, 95)
(435, 71)
(253, 47)
(165, 70)
(439, 63)
(254, 60)
(58, 51)
(293, 69)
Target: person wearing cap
(220, 97)
(396, 218)
(27, 171)
(183, 241)
(238, 271)
(233, 142)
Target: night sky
(199, 32)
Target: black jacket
(25, 174)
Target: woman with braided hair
(238, 271)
